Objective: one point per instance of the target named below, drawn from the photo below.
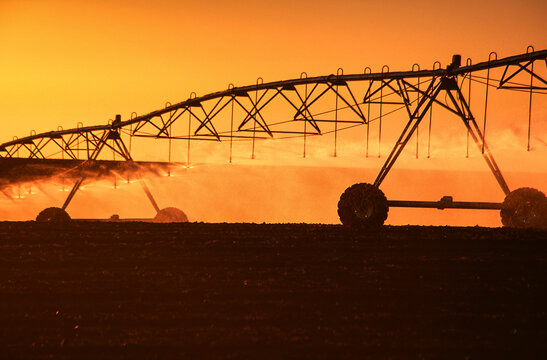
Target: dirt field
(147, 291)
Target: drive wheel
(363, 206)
(524, 208)
(54, 215)
(170, 215)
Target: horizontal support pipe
(445, 203)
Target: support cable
(169, 135)
(133, 115)
(486, 98)
(368, 112)
(339, 72)
(231, 86)
(380, 122)
(470, 80)
(530, 102)
(418, 100)
(302, 76)
(431, 120)
(259, 81)
(189, 133)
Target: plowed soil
(152, 291)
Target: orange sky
(69, 61)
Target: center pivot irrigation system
(242, 114)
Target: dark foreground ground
(145, 291)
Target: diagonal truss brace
(529, 68)
(91, 158)
(458, 106)
(119, 147)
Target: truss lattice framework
(312, 104)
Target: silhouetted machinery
(361, 206)
(365, 205)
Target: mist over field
(240, 193)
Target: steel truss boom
(252, 100)
(301, 97)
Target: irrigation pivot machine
(313, 106)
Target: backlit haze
(64, 62)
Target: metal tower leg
(100, 145)
(473, 128)
(73, 192)
(122, 150)
(416, 117)
(127, 156)
(149, 195)
(460, 108)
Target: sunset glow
(67, 62)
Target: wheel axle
(446, 202)
(365, 206)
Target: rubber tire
(363, 206)
(53, 215)
(170, 215)
(524, 208)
